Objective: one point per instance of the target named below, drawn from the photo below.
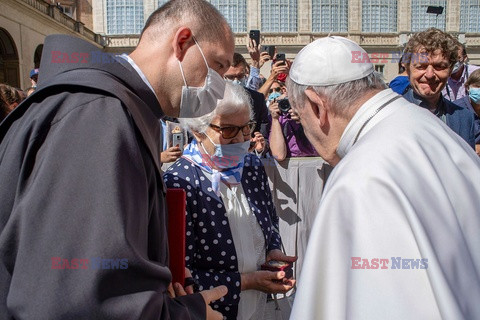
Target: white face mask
(198, 101)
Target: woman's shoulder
(180, 169)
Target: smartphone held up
(255, 36)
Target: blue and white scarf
(231, 176)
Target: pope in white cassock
(397, 235)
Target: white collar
(139, 71)
(361, 117)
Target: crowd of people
(82, 166)
(11, 97)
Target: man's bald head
(205, 21)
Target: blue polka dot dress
(210, 250)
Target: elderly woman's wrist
(246, 280)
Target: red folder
(176, 233)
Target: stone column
(148, 7)
(453, 16)
(99, 16)
(304, 16)
(404, 13)
(354, 16)
(254, 14)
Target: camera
(284, 105)
(275, 265)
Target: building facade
(24, 24)
(382, 27)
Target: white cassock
(409, 188)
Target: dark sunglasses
(277, 89)
(232, 131)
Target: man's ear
(182, 40)
(318, 106)
(407, 68)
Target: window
(330, 16)
(235, 11)
(379, 16)
(279, 15)
(69, 11)
(470, 16)
(124, 16)
(380, 68)
(161, 3)
(422, 20)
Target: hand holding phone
(270, 50)
(280, 57)
(255, 35)
(177, 139)
(275, 265)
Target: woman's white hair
(235, 100)
(341, 96)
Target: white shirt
(249, 243)
(138, 70)
(409, 188)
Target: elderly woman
(232, 227)
(472, 101)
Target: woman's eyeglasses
(277, 89)
(231, 132)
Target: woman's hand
(294, 116)
(278, 255)
(274, 110)
(264, 57)
(259, 142)
(266, 281)
(278, 68)
(171, 154)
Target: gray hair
(235, 101)
(341, 96)
(206, 22)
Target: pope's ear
(318, 106)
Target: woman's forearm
(278, 147)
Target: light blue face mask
(242, 82)
(274, 95)
(474, 94)
(228, 155)
(458, 65)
